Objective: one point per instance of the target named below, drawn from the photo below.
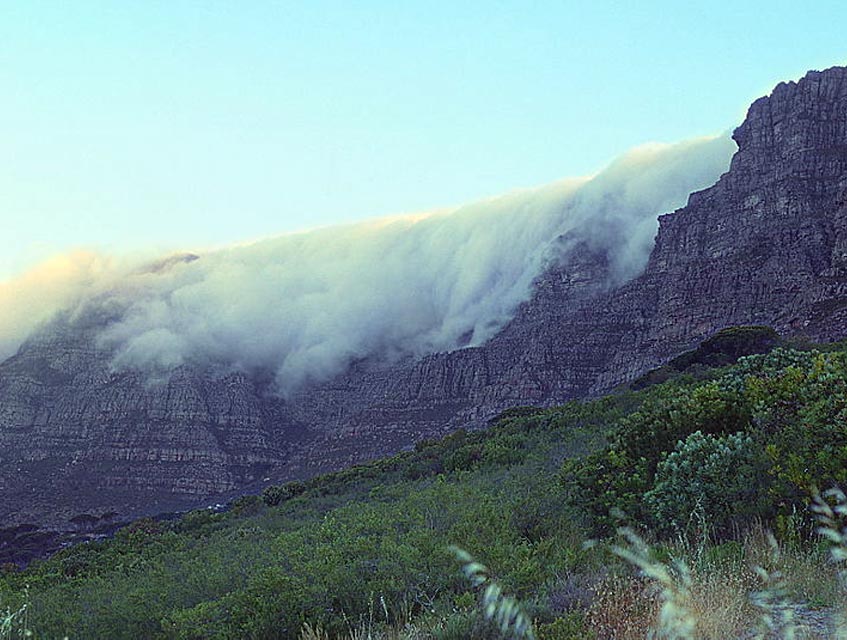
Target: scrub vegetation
(699, 489)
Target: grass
(504, 610)
(14, 624)
(751, 588)
(748, 588)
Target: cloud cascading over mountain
(304, 305)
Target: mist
(305, 305)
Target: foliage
(276, 494)
(572, 626)
(616, 478)
(13, 624)
(777, 420)
(504, 610)
(748, 440)
(716, 475)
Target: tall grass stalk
(15, 624)
(676, 620)
(832, 518)
(776, 612)
(504, 610)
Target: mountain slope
(766, 245)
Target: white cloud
(304, 305)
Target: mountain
(766, 245)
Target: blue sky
(191, 124)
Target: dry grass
(623, 609)
(758, 591)
(365, 631)
(313, 633)
(719, 601)
(716, 601)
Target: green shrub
(615, 479)
(198, 522)
(277, 494)
(717, 478)
(246, 505)
(464, 458)
(140, 532)
(504, 450)
(801, 412)
(570, 627)
(459, 626)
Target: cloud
(29, 301)
(305, 305)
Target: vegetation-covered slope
(699, 456)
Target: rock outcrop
(765, 245)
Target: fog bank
(304, 305)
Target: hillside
(367, 548)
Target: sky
(165, 125)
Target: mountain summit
(766, 245)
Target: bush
(459, 626)
(570, 627)
(140, 532)
(718, 477)
(246, 505)
(198, 522)
(277, 494)
(801, 411)
(615, 479)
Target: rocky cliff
(767, 245)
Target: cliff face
(74, 435)
(767, 244)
